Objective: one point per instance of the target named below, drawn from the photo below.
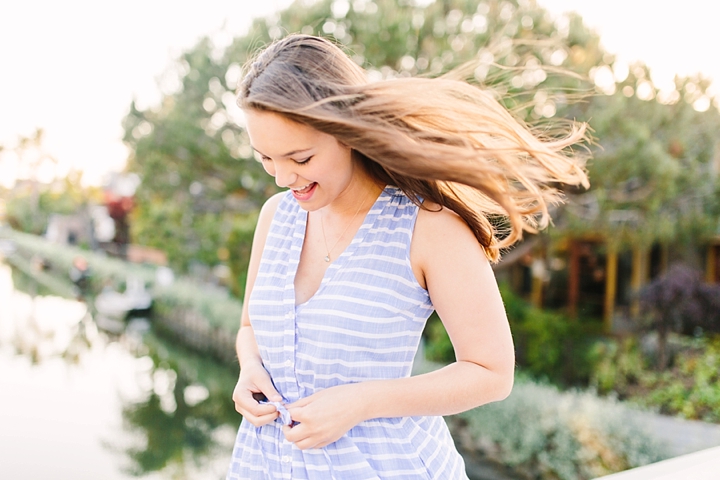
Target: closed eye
(261, 157)
(304, 160)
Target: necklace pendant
(327, 258)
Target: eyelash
(299, 162)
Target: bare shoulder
(267, 212)
(271, 204)
(437, 226)
(442, 240)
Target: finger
(266, 387)
(301, 415)
(251, 407)
(299, 403)
(322, 444)
(307, 444)
(294, 411)
(270, 417)
(294, 433)
(261, 420)
(262, 409)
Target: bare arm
(464, 292)
(246, 347)
(253, 376)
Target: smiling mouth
(304, 189)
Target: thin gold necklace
(322, 225)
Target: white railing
(702, 465)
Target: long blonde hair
(436, 139)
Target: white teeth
(301, 188)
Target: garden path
(682, 436)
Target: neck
(360, 196)
(361, 203)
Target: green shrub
(239, 244)
(438, 347)
(215, 305)
(104, 269)
(617, 364)
(689, 388)
(542, 433)
(548, 344)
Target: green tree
(200, 180)
(653, 172)
(195, 181)
(30, 202)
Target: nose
(284, 174)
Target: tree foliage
(194, 181)
(651, 175)
(199, 177)
(33, 199)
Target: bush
(438, 347)
(542, 433)
(679, 301)
(215, 305)
(104, 269)
(618, 364)
(689, 388)
(239, 244)
(548, 344)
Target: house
(588, 278)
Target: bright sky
(73, 67)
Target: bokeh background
(129, 192)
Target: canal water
(84, 398)
(80, 402)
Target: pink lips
(305, 193)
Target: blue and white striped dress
(364, 323)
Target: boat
(119, 305)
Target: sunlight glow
(140, 68)
(604, 79)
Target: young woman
(389, 189)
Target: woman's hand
(325, 416)
(254, 384)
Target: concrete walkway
(702, 465)
(682, 436)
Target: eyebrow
(288, 154)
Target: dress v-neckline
(300, 231)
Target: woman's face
(314, 165)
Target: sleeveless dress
(363, 323)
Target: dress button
(288, 363)
(286, 459)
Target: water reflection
(186, 415)
(85, 403)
